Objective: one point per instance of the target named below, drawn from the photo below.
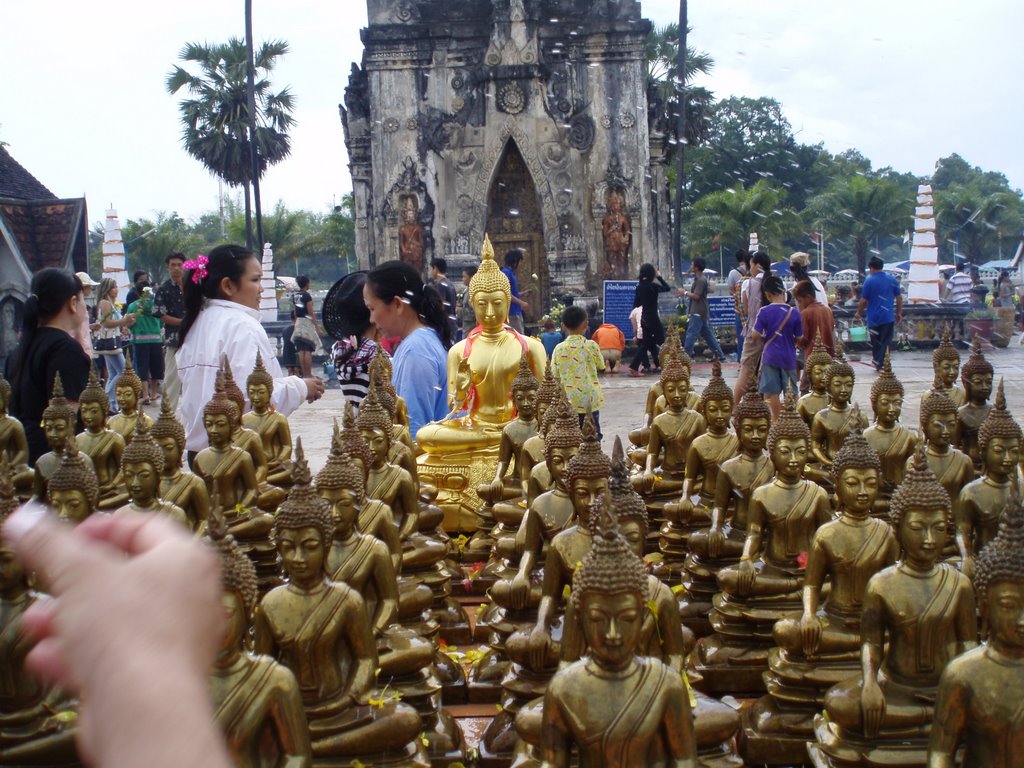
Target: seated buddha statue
(817, 364)
(142, 465)
(481, 368)
(321, 631)
(821, 647)
(127, 391)
(831, 425)
(532, 452)
(953, 468)
(972, 710)
(766, 584)
(58, 423)
(256, 700)
(722, 543)
(918, 615)
(179, 486)
(32, 730)
(613, 707)
(893, 442)
(976, 376)
(538, 479)
(946, 367)
(387, 370)
(271, 426)
(101, 444)
(513, 436)
(977, 511)
(73, 490)
(13, 443)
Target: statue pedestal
(456, 476)
(836, 748)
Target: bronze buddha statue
(893, 442)
(831, 425)
(73, 491)
(142, 465)
(513, 436)
(953, 468)
(976, 376)
(272, 427)
(179, 486)
(532, 453)
(13, 443)
(946, 366)
(58, 423)
(817, 364)
(127, 391)
(101, 444)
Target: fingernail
(24, 520)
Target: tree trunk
(860, 248)
(248, 218)
(253, 149)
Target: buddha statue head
(219, 416)
(375, 426)
(976, 375)
(840, 379)
(945, 362)
(259, 385)
(350, 441)
(675, 385)
(716, 401)
(999, 441)
(752, 419)
(93, 403)
(5, 395)
(380, 375)
(609, 592)
(546, 394)
(238, 582)
(586, 476)
(788, 441)
(524, 390)
(856, 471)
(233, 392)
(13, 579)
(921, 513)
(551, 413)
(887, 396)
(562, 441)
(999, 581)
(817, 364)
(303, 527)
(142, 464)
(128, 387)
(490, 292)
(58, 419)
(938, 420)
(629, 505)
(170, 436)
(673, 350)
(340, 483)
(73, 490)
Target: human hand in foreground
(314, 389)
(133, 628)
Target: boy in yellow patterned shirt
(576, 362)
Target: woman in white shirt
(222, 298)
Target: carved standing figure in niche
(410, 235)
(618, 232)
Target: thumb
(46, 546)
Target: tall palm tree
(974, 220)
(215, 116)
(732, 214)
(662, 57)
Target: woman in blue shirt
(401, 305)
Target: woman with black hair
(54, 311)
(307, 333)
(347, 319)
(646, 297)
(798, 264)
(401, 305)
(222, 319)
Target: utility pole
(677, 233)
(253, 154)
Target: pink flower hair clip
(198, 268)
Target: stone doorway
(514, 221)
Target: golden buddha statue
(101, 444)
(953, 468)
(893, 442)
(722, 543)
(614, 708)
(58, 422)
(256, 700)
(386, 482)
(271, 426)
(532, 452)
(179, 486)
(946, 365)
(403, 450)
(817, 364)
(34, 726)
(73, 491)
(142, 465)
(972, 708)
(127, 391)
(539, 479)
(766, 584)
(821, 647)
(918, 615)
(387, 369)
(13, 443)
(831, 425)
(320, 630)
(976, 376)
(460, 453)
(976, 513)
(513, 436)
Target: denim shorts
(774, 380)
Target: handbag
(107, 344)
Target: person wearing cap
(347, 319)
(83, 334)
(798, 264)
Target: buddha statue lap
(946, 366)
(321, 631)
(831, 425)
(721, 545)
(976, 376)
(481, 369)
(101, 444)
(972, 709)
(953, 468)
(179, 486)
(272, 427)
(14, 444)
(766, 584)
(142, 465)
(893, 442)
(980, 503)
(73, 490)
(58, 423)
(821, 648)
(127, 391)
(817, 364)
(917, 616)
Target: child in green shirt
(147, 345)
(576, 362)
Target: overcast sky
(84, 108)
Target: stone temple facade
(524, 119)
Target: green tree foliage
(727, 218)
(662, 63)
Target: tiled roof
(46, 231)
(18, 183)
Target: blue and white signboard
(721, 311)
(618, 303)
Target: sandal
(145, 401)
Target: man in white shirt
(958, 287)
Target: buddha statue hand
(681, 510)
(810, 634)
(519, 592)
(539, 647)
(493, 491)
(872, 704)
(647, 482)
(463, 381)
(716, 540)
(746, 576)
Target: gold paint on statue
(946, 367)
(101, 444)
(127, 391)
(893, 442)
(671, 435)
(831, 425)
(13, 443)
(976, 376)
(142, 465)
(73, 490)
(177, 485)
(513, 436)
(58, 423)
(817, 364)
(953, 468)
(271, 426)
